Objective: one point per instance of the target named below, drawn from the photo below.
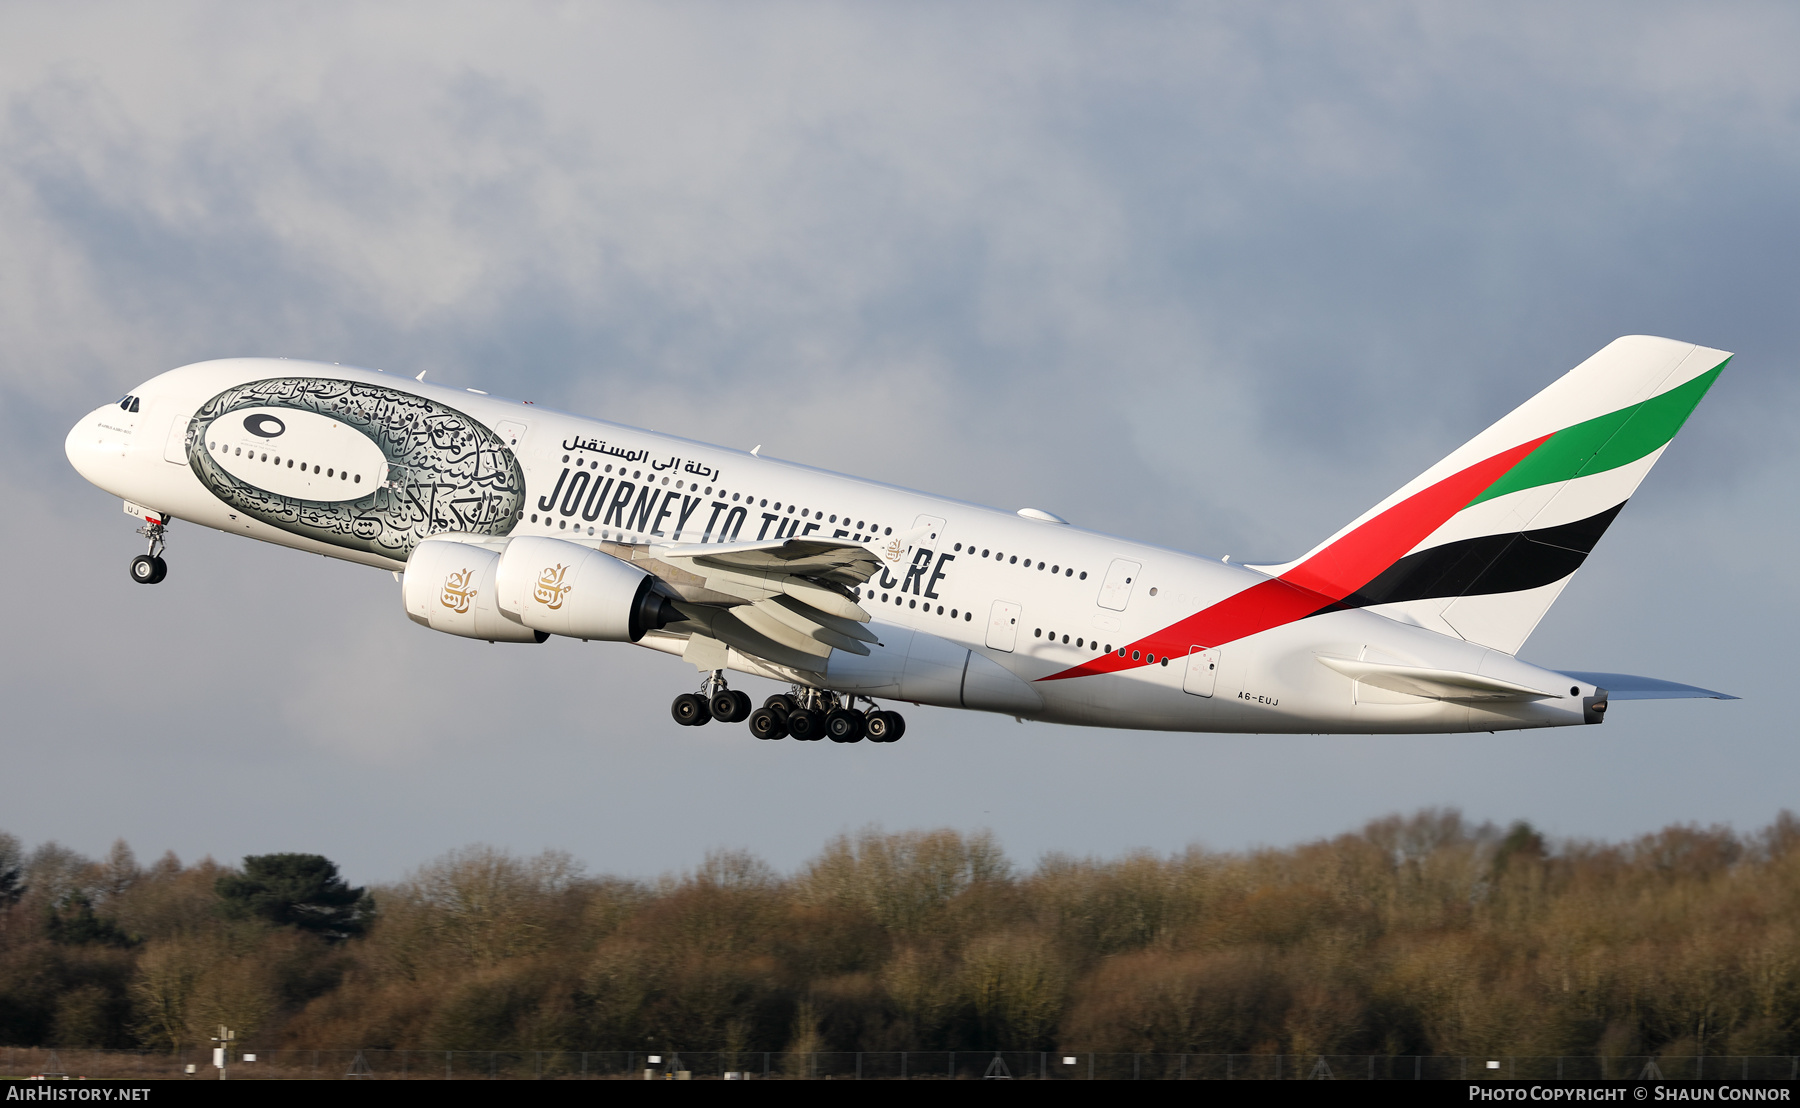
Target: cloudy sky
(1215, 276)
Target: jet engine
(449, 586)
(565, 588)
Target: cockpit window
(128, 403)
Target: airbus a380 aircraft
(510, 523)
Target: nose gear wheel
(148, 569)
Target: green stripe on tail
(1606, 442)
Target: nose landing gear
(148, 569)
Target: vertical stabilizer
(1481, 544)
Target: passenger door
(1202, 671)
(1115, 591)
(1003, 625)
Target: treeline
(1420, 935)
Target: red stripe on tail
(1323, 579)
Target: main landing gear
(713, 701)
(808, 714)
(813, 714)
(148, 569)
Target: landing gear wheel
(766, 723)
(885, 727)
(690, 710)
(730, 706)
(148, 569)
(806, 725)
(781, 703)
(844, 725)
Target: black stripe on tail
(1486, 565)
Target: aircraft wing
(835, 560)
(787, 601)
(1623, 686)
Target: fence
(441, 1065)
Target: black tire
(781, 704)
(690, 710)
(899, 727)
(729, 707)
(144, 569)
(844, 725)
(881, 727)
(162, 570)
(806, 725)
(766, 723)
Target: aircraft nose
(88, 447)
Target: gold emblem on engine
(550, 589)
(457, 592)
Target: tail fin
(1481, 544)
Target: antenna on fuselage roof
(754, 449)
(421, 375)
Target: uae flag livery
(1480, 545)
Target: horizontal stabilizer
(1623, 686)
(1434, 684)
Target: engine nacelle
(449, 587)
(565, 588)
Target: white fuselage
(1036, 598)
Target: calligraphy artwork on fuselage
(436, 470)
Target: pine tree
(296, 890)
